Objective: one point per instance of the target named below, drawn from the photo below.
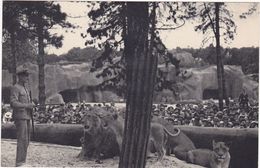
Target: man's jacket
(19, 98)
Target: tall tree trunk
(13, 50)
(219, 60)
(141, 66)
(225, 96)
(42, 96)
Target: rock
(199, 80)
(75, 83)
(55, 99)
(186, 58)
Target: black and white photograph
(130, 84)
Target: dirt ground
(50, 155)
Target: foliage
(108, 29)
(246, 57)
(207, 22)
(13, 21)
(46, 14)
(81, 55)
(24, 17)
(25, 52)
(37, 19)
(253, 9)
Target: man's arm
(15, 101)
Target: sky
(247, 33)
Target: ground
(50, 155)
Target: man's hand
(30, 105)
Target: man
(243, 100)
(22, 108)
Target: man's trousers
(23, 139)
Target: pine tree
(40, 18)
(13, 29)
(212, 21)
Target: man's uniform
(21, 116)
(243, 100)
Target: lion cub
(218, 158)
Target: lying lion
(218, 158)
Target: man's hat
(23, 71)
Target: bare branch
(171, 28)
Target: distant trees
(247, 57)
(244, 57)
(77, 54)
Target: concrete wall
(243, 150)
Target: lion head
(220, 150)
(92, 124)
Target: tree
(13, 30)
(108, 30)
(132, 27)
(220, 71)
(210, 19)
(25, 52)
(40, 18)
(81, 55)
(141, 67)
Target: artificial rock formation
(201, 83)
(74, 82)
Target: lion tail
(171, 134)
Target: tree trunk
(225, 96)
(219, 60)
(42, 96)
(13, 57)
(141, 66)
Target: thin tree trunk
(42, 96)
(13, 50)
(225, 96)
(141, 66)
(219, 60)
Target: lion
(103, 136)
(219, 157)
(96, 134)
(158, 134)
(178, 145)
(159, 137)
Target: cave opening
(210, 93)
(70, 95)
